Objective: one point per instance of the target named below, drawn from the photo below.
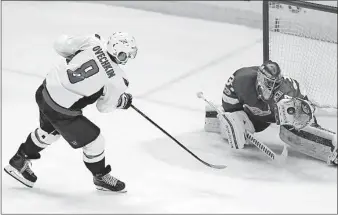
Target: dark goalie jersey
(240, 94)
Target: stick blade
(219, 166)
(215, 166)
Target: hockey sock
(31, 149)
(97, 167)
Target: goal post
(301, 36)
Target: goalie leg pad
(233, 127)
(333, 157)
(211, 122)
(312, 140)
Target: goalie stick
(253, 140)
(185, 148)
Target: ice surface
(177, 58)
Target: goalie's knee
(242, 117)
(43, 139)
(233, 127)
(241, 120)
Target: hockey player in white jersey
(255, 97)
(90, 74)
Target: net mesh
(304, 43)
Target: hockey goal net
(302, 37)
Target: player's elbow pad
(102, 107)
(109, 100)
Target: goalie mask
(122, 46)
(269, 79)
(294, 112)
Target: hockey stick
(325, 106)
(199, 159)
(251, 139)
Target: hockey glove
(295, 112)
(124, 101)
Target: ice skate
(105, 182)
(20, 168)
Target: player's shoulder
(246, 72)
(245, 75)
(91, 41)
(67, 45)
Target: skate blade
(17, 175)
(107, 190)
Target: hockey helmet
(269, 78)
(122, 46)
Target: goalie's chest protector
(256, 108)
(245, 87)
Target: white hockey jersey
(89, 69)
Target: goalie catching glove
(294, 112)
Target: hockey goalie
(255, 97)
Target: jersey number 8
(84, 71)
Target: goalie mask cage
(301, 36)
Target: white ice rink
(177, 57)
